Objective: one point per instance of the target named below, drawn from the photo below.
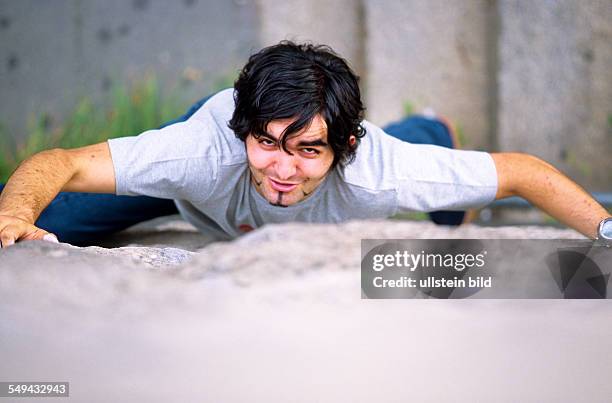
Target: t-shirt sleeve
(445, 179)
(428, 177)
(179, 161)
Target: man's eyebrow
(268, 136)
(312, 143)
(303, 143)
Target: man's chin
(282, 199)
(278, 204)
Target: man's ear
(352, 140)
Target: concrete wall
(54, 51)
(429, 53)
(335, 23)
(515, 75)
(555, 85)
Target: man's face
(287, 178)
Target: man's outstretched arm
(41, 177)
(548, 189)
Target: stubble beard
(279, 198)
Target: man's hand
(13, 229)
(41, 177)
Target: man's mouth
(281, 186)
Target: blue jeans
(82, 218)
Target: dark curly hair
(290, 80)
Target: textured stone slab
(274, 253)
(160, 232)
(277, 316)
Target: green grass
(411, 216)
(133, 109)
(408, 108)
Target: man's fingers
(37, 233)
(7, 238)
(13, 233)
(50, 238)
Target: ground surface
(277, 316)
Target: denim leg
(422, 130)
(81, 218)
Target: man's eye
(310, 151)
(266, 142)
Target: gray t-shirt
(203, 166)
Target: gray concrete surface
(338, 24)
(54, 52)
(275, 316)
(429, 54)
(555, 86)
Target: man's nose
(285, 165)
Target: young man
(288, 143)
